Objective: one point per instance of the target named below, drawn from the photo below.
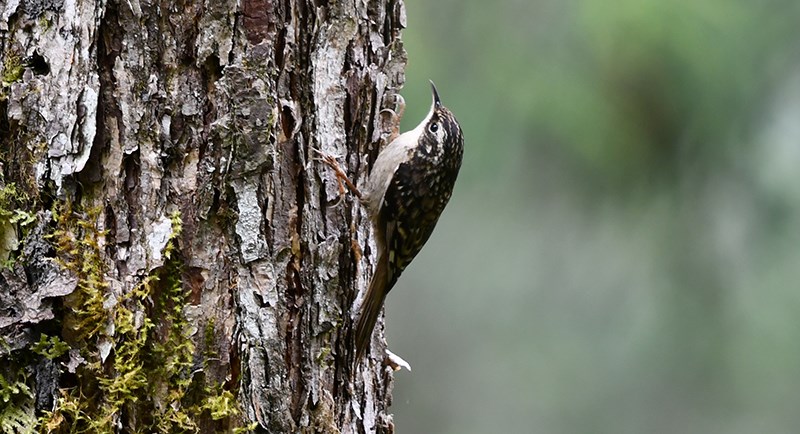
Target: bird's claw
(395, 115)
(341, 176)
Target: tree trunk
(175, 259)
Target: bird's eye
(434, 127)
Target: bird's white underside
(388, 160)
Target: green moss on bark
(140, 370)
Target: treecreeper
(404, 195)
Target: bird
(406, 191)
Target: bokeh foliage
(620, 254)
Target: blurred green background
(622, 251)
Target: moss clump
(51, 347)
(147, 381)
(16, 405)
(12, 217)
(77, 243)
(13, 68)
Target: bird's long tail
(372, 305)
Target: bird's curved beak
(436, 100)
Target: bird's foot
(395, 114)
(341, 176)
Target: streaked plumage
(410, 184)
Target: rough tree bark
(174, 259)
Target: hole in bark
(287, 121)
(38, 64)
(213, 69)
(111, 227)
(132, 167)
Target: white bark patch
(250, 222)
(157, 239)
(216, 31)
(104, 346)
(88, 100)
(72, 156)
(190, 107)
(258, 299)
(62, 105)
(75, 155)
(329, 94)
(166, 125)
(187, 183)
(136, 8)
(56, 284)
(260, 322)
(9, 9)
(330, 312)
(129, 109)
